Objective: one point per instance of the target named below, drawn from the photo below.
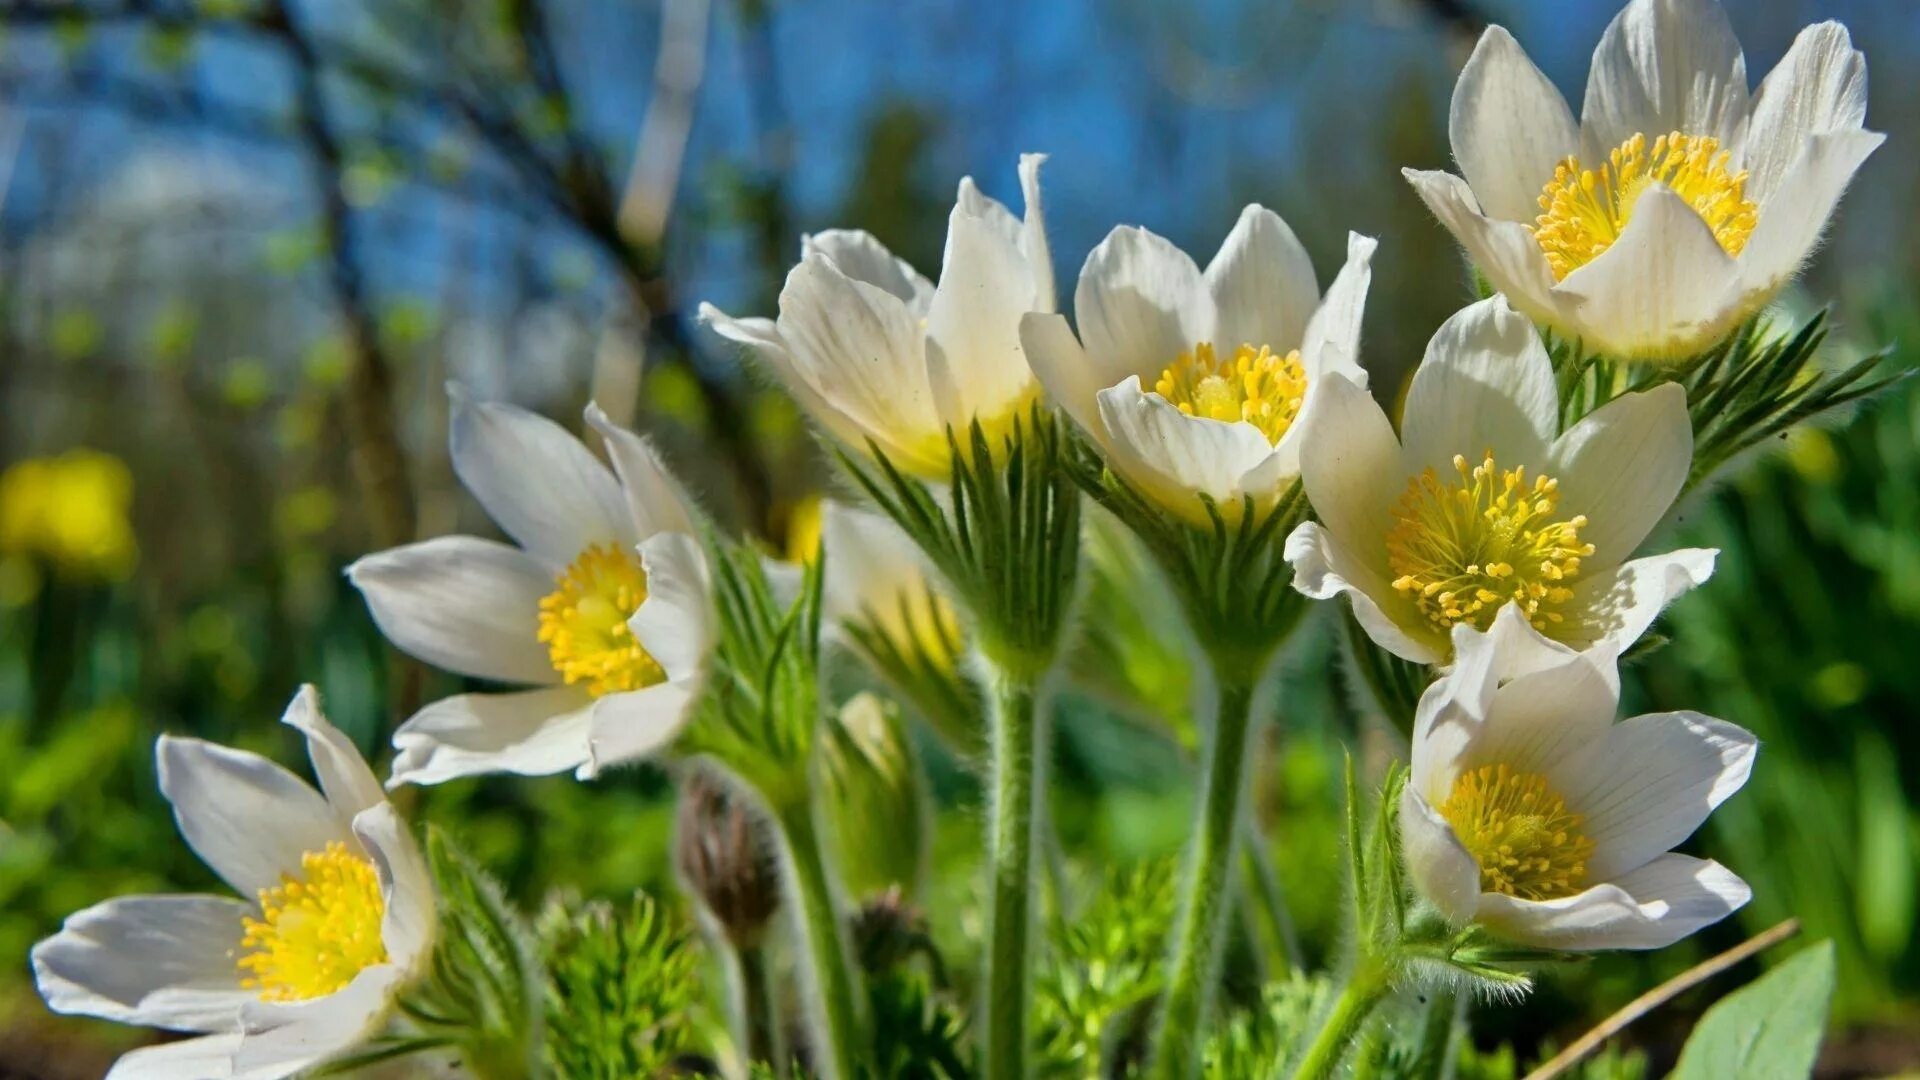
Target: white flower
(338, 916)
(1478, 504)
(1679, 204)
(871, 350)
(879, 583)
(1530, 812)
(603, 606)
(1194, 383)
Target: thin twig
(1660, 995)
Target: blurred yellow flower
(72, 511)
(803, 529)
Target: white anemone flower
(878, 582)
(1530, 812)
(337, 916)
(1482, 501)
(602, 608)
(1194, 383)
(1679, 204)
(873, 351)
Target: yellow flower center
(1520, 832)
(1583, 211)
(1464, 548)
(584, 623)
(1255, 384)
(315, 931)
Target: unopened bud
(725, 857)
(875, 798)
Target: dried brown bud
(725, 856)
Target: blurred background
(244, 243)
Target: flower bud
(874, 798)
(725, 857)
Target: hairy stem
(826, 966)
(759, 1019)
(1010, 838)
(1209, 883)
(1365, 989)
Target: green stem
(1010, 837)
(826, 965)
(1209, 883)
(759, 1020)
(1436, 1035)
(1264, 889)
(1366, 988)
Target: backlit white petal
(1792, 220)
(1331, 342)
(1064, 369)
(1486, 384)
(1622, 466)
(1655, 906)
(209, 1057)
(1141, 302)
(1350, 464)
(973, 354)
(675, 623)
(763, 341)
(1622, 603)
(1509, 127)
(1665, 65)
(1818, 88)
(654, 497)
(1324, 568)
(1441, 869)
(248, 819)
(1177, 457)
(345, 779)
(1649, 782)
(460, 603)
(301, 1034)
(407, 927)
(164, 961)
(531, 732)
(1665, 289)
(870, 564)
(862, 257)
(1504, 251)
(1033, 234)
(538, 483)
(636, 724)
(1262, 284)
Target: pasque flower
(1529, 811)
(1483, 502)
(336, 914)
(1194, 383)
(873, 351)
(602, 606)
(878, 582)
(1679, 203)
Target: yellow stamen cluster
(1464, 548)
(1583, 211)
(584, 623)
(1255, 384)
(1520, 832)
(315, 931)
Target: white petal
(1262, 284)
(1064, 369)
(532, 733)
(1140, 304)
(675, 623)
(538, 483)
(653, 495)
(1177, 457)
(870, 563)
(1650, 782)
(1331, 342)
(163, 961)
(1665, 65)
(209, 1057)
(1505, 251)
(1509, 127)
(348, 784)
(1442, 870)
(1622, 466)
(299, 1035)
(1792, 220)
(1323, 568)
(1623, 603)
(407, 929)
(1655, 906)
(763, 340)
(862, 257)
(460, 603)
(986, 210)
(1818, 88)
(635, 725)
(1350, 464)
(1033, 234)
(247, 818)
(973, 329)
(1485, 385)
(1665, 289)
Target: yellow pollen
(1256, 385)
(1520, 832)
(315, 931)
(584, 623)
(1462, 549)
(1583, 211)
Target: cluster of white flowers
(1484, 535)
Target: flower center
(1520, 832)
(315, 931)
(1258, 386)
(1463, 548)
(1583, 211)
(584, 623)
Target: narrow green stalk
(1010, 838)
(759, 1019)
(1266, 893)
(1209, 883)
(826, 966)
(1365, 989)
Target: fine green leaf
(1767, 1030)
